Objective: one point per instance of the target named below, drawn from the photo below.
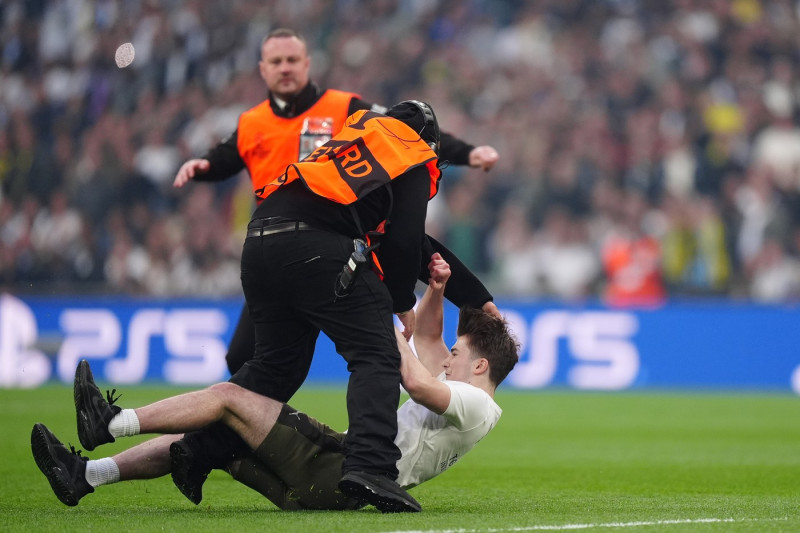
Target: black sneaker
(93, 411)
(187, 474)
(380, 491)
(64, 468)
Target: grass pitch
(558, 461)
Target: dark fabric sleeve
(401, 248)
(463, 288)
(357, 104)
(454, 150)
(225, 160)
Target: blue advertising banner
(709, 345)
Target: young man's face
(458, 367)
(284, 66)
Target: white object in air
(124, 55)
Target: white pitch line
(567, 527)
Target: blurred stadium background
(642, 227)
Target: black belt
(280, 227)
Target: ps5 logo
(22, 364)
(192, 338)
(796, 380)
(600, 343)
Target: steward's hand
(483, 157)
(189, 170)
(492, 309)
(408, 319)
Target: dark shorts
(298, 466)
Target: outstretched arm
(483, 157)
(458, 152)
(190, 169)
(428, 340)
(219, 163)
(417, 380)
(463, 287)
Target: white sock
(102, 472)
(124, 424)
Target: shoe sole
(179, 460)
(384, 501)
(59, 480)
(86, 430)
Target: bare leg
(147, 460)
(251, 415)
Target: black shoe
(93, 411)
(380, 491)
(187, 474)
(64, 468)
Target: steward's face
(284, 66)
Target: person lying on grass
(295, 460)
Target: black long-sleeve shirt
(297, 203)
(400, 251)
(226, 161)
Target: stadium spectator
(512, 251)
(632, 259)
(569, 267)
(681, 98)
(775, 274)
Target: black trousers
(288, 280)
(243, 341)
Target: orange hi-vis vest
(370, 151)
(268, 143)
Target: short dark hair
(283, 32)
(489, 337)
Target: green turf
(558, 460)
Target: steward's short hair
(283, 32)
(489, 337)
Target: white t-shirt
(432, 443)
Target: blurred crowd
(649, 149)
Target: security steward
(302, 274)
(277, 132)
(269, 137)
